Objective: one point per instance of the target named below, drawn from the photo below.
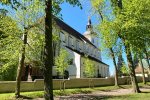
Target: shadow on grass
(145, 91)
(88, 97)
(121, 87)
(23, 97)
(104, 97)
(81, 97)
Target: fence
(37, 85)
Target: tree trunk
(144, 81)
(21, 65)
(63, 82)
(116, 71)
(147, 59)
(132, 71)
(47, 74)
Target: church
(78, 45)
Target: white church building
(78, 46)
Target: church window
(71, 61)
(63, 39)
(77, 45)
(94, 52)
(70, 41)
(84, 46)
(97, 54)
(80, 45)
(87, 48)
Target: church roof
(71, 31)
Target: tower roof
(88, 27)
(89, 21)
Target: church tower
(90, 34)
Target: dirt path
(97, 95)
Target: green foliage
(35, 47)
(89, 68)
(128, 23)
(62, 61)
(120, 64)
(132, 23)
(125, 70)
(10, 42)
(11, 32)
(8, 72)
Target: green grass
(39, 94)
(30, 95)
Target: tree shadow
(106, 90)
(82, 97)
(145, 91)
(121, 87)
(23, 97)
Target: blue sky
(77, 19)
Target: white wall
(77, 65)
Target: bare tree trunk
(144, 81)
(48, 80)
(132, 71)
(116, 71)
(21, 65)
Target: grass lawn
(39, 94)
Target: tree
(89, 69)
(27, 20)
(62, 63)
(138, 56)
(120, 64)
(108, 43)
(147, 58)
(26, 16)
(9, 47)
(143, 74)
(51, 8)
(48, 61)
(129, 27)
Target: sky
(77, 19)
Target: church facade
(78, 46)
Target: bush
(8, 73)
